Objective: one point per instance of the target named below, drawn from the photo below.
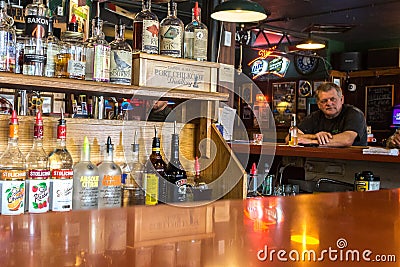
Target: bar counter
(349, 153)
(326, 229)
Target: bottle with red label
(110, 184)
(38, 174)
(12, 173)
(60, 163)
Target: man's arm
(327, 139)
(394, 140)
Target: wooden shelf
(366, 73)
(23, 82)
(350, 153)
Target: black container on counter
(366, 181)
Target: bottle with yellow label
(293, 130)
(86, 181)
(12, 173)
(154, 183)
(109, 179)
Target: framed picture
(336, 81)
(315, 86)
(9, 97)
(246, 92)
(302, 103)
(378, 106)
(42, 102)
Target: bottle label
(38, 191)
(87, 195)
(62, 174)
(101, 65)
(36, 26)
(76, 68)
(89, 63)
(200, 44)
(150, 185)
(13, 175)
(150, 36)
(13, 133)
(156, 149)
(171, 41)
(7, 52)
(12, 197)
(61, 194)
(52, 51)
(110, 191)
(38, 131)
(121, 67)
(61, 132)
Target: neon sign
(268, 63)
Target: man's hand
(323, 137)
(394, 140)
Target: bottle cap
(196, 9)
(253, 170)
(39, 118)
(109, 145)
(14, 117)
(197, 166)
(73, 24)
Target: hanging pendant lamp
(239, 11)
(310, 44)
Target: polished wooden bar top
(347, 153)
(325, 229)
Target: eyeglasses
(324, 101)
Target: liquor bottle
(153, 178)
(110, 179)
(71, 59)
(133, 193)
(7, 40)
(121, 57)
(60, 162)
(86, 181)
(146, 30)
(38, 180)
(293, 130)
(52, 50)
(12, 173)
(175, 173)
(36, 27)
(253, 182)
(196, 36)
(198, 180)
(267, 183)
(171, 33)
(98, 53)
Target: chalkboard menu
(378, 106)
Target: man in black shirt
(160, 112)
(334, 124)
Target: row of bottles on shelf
(39, 182)
(38, 52)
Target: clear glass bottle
(7, 40)
(154, 173)
(71, 60)
(121, 57)
(171, 33)
(98, 54)
(133, 193)
(196, 37)
(253, 182)
(176, 174)
(36, 27)
(52, 50)
(110, 179)
(86, 181)
(38, 180)
(19, 51)
(146, 28)
(60, 163)
(293, 130)
(12, 173)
